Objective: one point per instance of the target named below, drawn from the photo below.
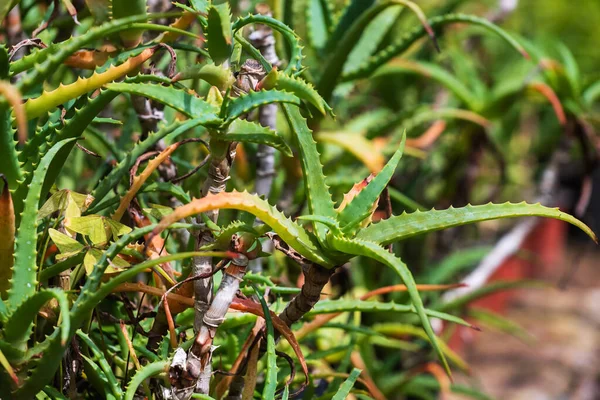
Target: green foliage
(219, 33)
(108, 110)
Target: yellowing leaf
(116, 265)
(91, 226)
(66, 245)
(62, 200)
(117, 229)
(98, 228)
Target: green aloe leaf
(98, 357)
(23, 282)
(219, 33)
(431, 71)
(372, 250)
(419, 222)
(18, 325)
(344, 390)
(271, 373)
(304, 90)
(372, 37)
(360, 206)
(294, 65)
(213, 74)
(127, 8)
(180, 100)
(10, 166)
(246, 131)
(337, 306)
(489, 289)
(317, 191)
(96, 377)
(292, 233)
(247, 102)
(406, 41)
(46, 61)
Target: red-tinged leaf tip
(476, 328)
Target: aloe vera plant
(119, 125)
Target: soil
(563, 359)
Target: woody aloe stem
(200, 354)
(222, 155)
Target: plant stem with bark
(262, 38)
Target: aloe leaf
(317, 191)
(253, 52)
(398, 330)
(200, 5)
(361, 206)
(419, 222)
(127, 8)
(13, 355)
(219, 32)
(100, 9)
(498, 322)
(45, 367)
(170, 188)
(295, 62)
(213, 74)
(223, 237)
(46, 61)
(401, 45)
(591, 93)
(572, 71)
(182, 101)
(342, 47)
(431, 71)
(372, 37)
(338, 306)
(23, 281)
(10, 166)
(74, 126)
(98, 356)
(247, 102)
(297, 86)
(293, 234)
(317, 27)
(49, 100)
(43, 370)
(345, 388)
(349, 15)
(271, 373)
(372, 250)
(245, 131)
(494, 287)
(97, 378)
(146, 372)
(18, 325)
(61, 266)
